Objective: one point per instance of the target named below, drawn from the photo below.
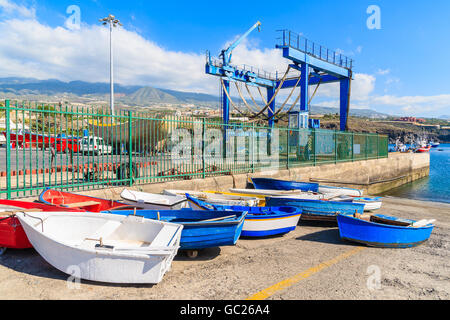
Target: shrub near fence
(80, 148)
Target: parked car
(94, 145)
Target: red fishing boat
(86, 203)
(12, 234)
(424, 149)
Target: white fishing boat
(279, 193)
(340, 191)
(219, 199)
(104, 247)
(153, 201)
(370, 204)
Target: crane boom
(226, 54)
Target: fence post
(378, 146)
(287, 148)
(353, 147)
(203, 148)
(253, 147)
(335, 147)
(130, 146)
(8, 149)
(315, 147)
(367, 146)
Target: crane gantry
(316, 65)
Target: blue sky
(402, 68)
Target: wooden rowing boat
(262, 194)
(220, 199)
(153, 201)
(12, 235)
(384, 231)
(275, 184)
(328, 191)
(260, 221)
(318, 210)
(86, 203)
(202, 229)
(104, 247)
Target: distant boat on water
(435, 144)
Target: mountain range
(133, 95)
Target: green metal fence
(83, 148)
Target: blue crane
(317, 65)
(226, 54)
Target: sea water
(436, 187)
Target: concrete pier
(373, 176)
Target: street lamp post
(113, 22)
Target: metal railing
(296, 41)
(84, 148)
(261, 73)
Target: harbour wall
(373, 176)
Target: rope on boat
(42, 220)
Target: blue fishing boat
(317, 210)
(384, 231)
(274, 184)
(435, 144)
(201, 229)
(370, 203)
(260, 221)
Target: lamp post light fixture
(113, 22)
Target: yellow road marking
(266, 293)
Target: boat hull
(273, 184)
(150, 201)
(260, 221)
(317, 210)
(67, 199)
(12, 235)
(369, 204)
(277, 193)
(219, 199)
(198, 233)
(340, 191)
(381, 235)
(100, 265)
(264, 226)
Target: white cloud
(383, 72)
(8, 8)
(29, 48)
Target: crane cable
(262, 96)
(253, 99)
(229, 99)
(243, 98)
(268, 104)
(273, 97)
(289, 97)
(310, 99)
